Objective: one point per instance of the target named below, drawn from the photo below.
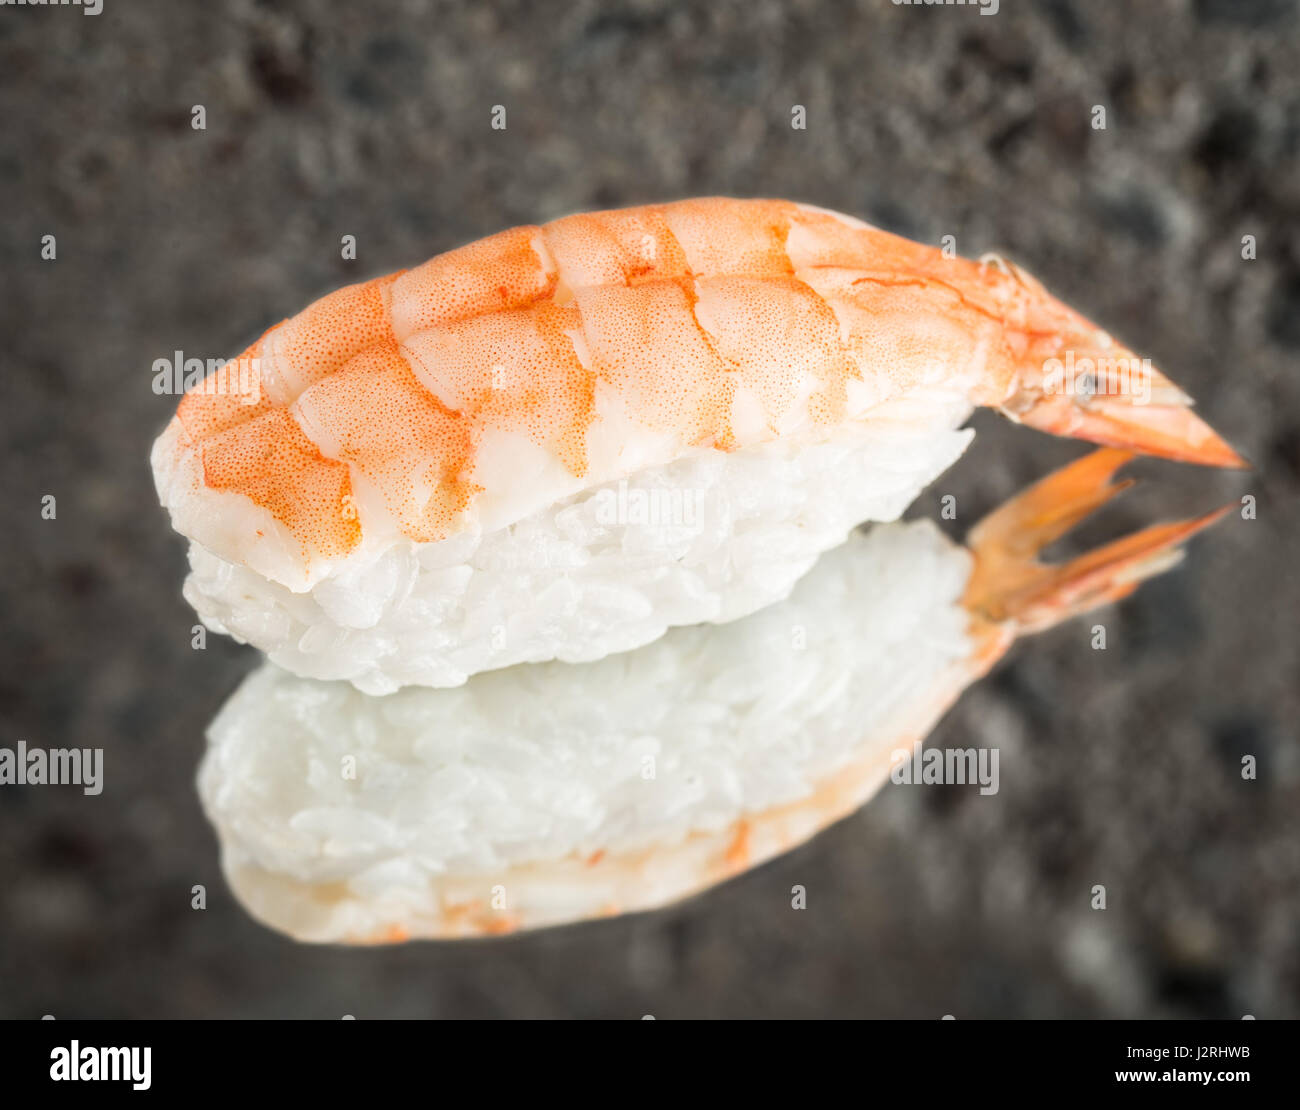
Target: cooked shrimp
(501, 382)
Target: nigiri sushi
(549, 793)
(559, 441)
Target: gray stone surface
(1119, 767)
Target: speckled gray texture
(1118, 767)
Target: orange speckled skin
(670, 308)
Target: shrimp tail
(1164, 425)
(1010, 587)
(1073, 379)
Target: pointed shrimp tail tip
(1118, 400)
(1010, 585)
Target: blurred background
(1119, 767)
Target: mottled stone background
(1119, 767)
